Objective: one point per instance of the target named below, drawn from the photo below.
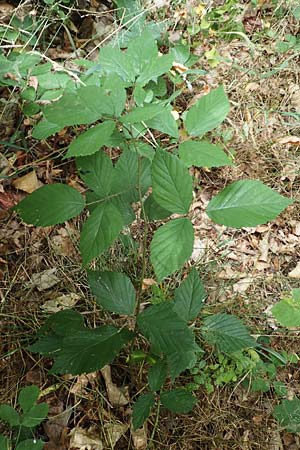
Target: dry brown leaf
(85, 439)
(8, 200)
(264, 249)
(161, 3)
(253, 86)
(114, 431)
(295, 98)
(44, 280)
(275, 441)
(62, 302)
(139, 438)
(297, 229)
(257, 419)
(229, 274)
(148, 282)
(198, 250)
(33, 82)
(242, 285)
(295, 273)
(270, 318)
(62, 244)
(294, 140)
(28, 183)
(81, 383)
(290, 171)
(6, 10)
(56, 427)
(180, 68)
(261, 265)
(262, 228)
(116, 396)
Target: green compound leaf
(157, 375)
(75, 348)
(9, 415)
(287, 413)
(165, 123)
(130, 171)
(117, 185)
(142, 113)
(178, 401)
(4, 443)
(189, 297)
(172, 183)
(35, 415)
(180, 361)
(57, 326)
(45, 129)
(142, 409)
(90, 350)
(246, 203)
(168, 334)
(153, 210)
(227, 332)
(63, 323)
(50, 205)
(171, 247)
(114, 291)
(99, 231)
(30, 444)
(92, 140)
(287, 311)
(27, 397)
(207, 113)
(97, 172)
(156, 67)
(115, 61)
(203, 154)
(85, 106)
(114, 87)
(141, 51)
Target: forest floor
(245, 271)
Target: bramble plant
(287, 313)
(122, 98)
(23, 425)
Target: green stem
(144, 254)
(154, 426)
(144, 250)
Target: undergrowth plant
(125, 100)
(23, 424)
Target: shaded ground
(244, 271)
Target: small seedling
(23, 423)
